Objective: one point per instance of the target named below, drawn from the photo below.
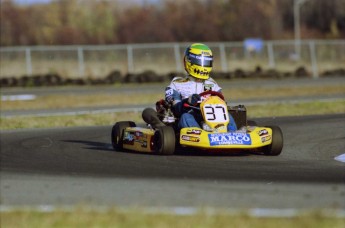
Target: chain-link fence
(98, 61)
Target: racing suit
(180, 91)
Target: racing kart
(161, 135)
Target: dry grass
(311, 108)
(283, 92)
(136, 97)
(298, 109)
(136, 218)
(68, 121)
(103, 99)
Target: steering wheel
(212, 93)
(205, 93)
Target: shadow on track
(91, 145)
(207, 153)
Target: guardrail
(99, 60)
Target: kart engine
(239, 113)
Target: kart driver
(198, 62)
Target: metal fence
(99, 60)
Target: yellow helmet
(198, 60)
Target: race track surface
(69, 166)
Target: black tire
(164, 140)
(276, 146)
(117, 133)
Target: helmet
(198, 61)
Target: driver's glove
(193, 99)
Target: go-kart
(161, 136)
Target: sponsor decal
(139, 141)
(194, 131)
(138, 134)
(266, 138)
(203, 56)
(169, 92)
(190, 138)
(208, 87)
(218, 128)
(251, 128)
(262, 132)
(128, 138)
(219, 125)
(144, 144)
(206, 53)
(229, 139)
(205, 96)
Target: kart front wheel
(164, 140)
(276, 147)
(117, 133)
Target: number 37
(215, 113)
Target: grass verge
(137, 218)
(136, 97)
(255, 111)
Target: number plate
(216, 113)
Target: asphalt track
(71, 166)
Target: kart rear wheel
(117, 133)
(164, 140)
(276, 147)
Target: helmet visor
(201, 60)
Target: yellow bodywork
(216, 116)
(255, 137)
(138, 139)
(215, 113)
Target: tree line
(66, 22)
